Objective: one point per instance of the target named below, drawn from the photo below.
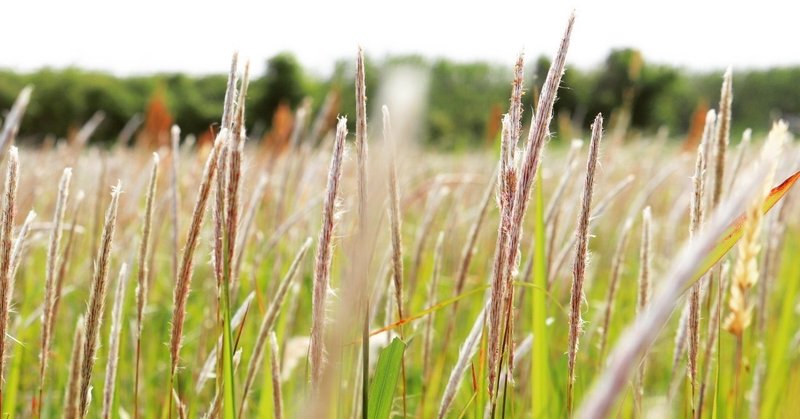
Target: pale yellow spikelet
(745, 272)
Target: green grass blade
(540, 375)
(779, 351)
(464, 411)
(734, 232)
(12, 384)
(365, 363)
(432, 309)
(266, 405)
(543, 291)
(387, 374)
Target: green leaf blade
(387, 374)
(540, 374)
(734, 232)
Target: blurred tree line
(464, 104)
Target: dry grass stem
(182, 286)
(525, 174)
(643, 296)
(617, 265)
(97, 297)
(113, 342)
(394, 215)
(71, 397)
(361, 140)
(218, 214)
(465, 354)
(432, 286)
(230, 93)
(175, 154)
(722, 133)
(277, 399)
(505, 192)
(6, 243)
(711, 340)
(50, 275)
(695, 223)
(14, 118)
(234, 181)
(88, 129)
(68, 247)
(581, 258)
(20, 244)
(143, 275)
(322, 263)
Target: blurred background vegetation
(464, 104)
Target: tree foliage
(464, 99)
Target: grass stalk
(643, 298)
(617, 266)
(6, 244)
(65, 257)
(427, 344)
(114, 343)
(322, 263)
(175, 154)
(142, 277)
(72, 397)
(394, 215)
(711, 343)
(19, 246)
(465, 354)
(50, 280)
(722, 137)
(529, 164)
(581, 258)
(183, 285)
(361, 271)
(277, 399)
(14, 117)
(97, 297)
(691, 314)
(229, 282)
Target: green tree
(460, 101)
(282, 82)
(626, 77)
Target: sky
(197, 37)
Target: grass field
(609, 277)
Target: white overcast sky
(145, 36)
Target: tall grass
(581, 257)
(6, 243)
(95, 309)
(475, 331)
